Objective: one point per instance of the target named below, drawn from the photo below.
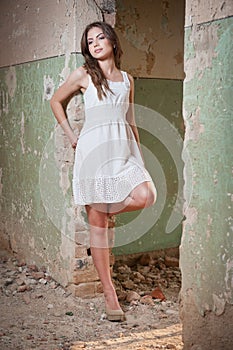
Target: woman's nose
(96, 42)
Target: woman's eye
(101, 37)
(90, 42)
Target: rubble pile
(17, 277)
(147, 279)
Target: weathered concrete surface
(206, 257)
(38, 219)
(204, 333)
(149, 31)
(39, 222)
(209, 10)
(26, 124)
(40, 165)
(41, 29)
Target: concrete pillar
(206, 253)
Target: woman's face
(99, 46)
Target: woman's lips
(98, 50)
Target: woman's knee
(96, 218)
(151, 197)
(145, 195)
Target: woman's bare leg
(98, 221)
(142, 196)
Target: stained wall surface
(207, 241)
(38, 220)
(152, 36)
(33, 30)
(41, 47)
(152, 40)
(26, 127)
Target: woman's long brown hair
(91, 64)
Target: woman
(109, 174)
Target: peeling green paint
(26, 125)
(207, 246)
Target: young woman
(109, 176)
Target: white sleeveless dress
(108, 163)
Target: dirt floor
(37, 313)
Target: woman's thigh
(145, 192)
(97, 214)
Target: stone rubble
(23, 278)
(41, 314)
(139, 281)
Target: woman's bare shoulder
(80, 72)
(79, 76)
(130, 77)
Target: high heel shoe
(115, 315)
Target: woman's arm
(130, 116)
(75, 82)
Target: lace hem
(108, 189)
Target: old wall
(33, 30)
(152, 41)
(41, 46)
(207, 240)
(149, 32)
(37, 215)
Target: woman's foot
(111, 300)
(115, 315)
(113, 309)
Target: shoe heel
(115, 315)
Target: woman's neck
(108, 67)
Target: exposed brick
(80, 251)
(86, 290)
(158, 294)
(82, 238)
(80, 225)
(171, 261)
(99, 288)
(82, 263)
(84, 270)
(87, 275)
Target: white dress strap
(125, 77)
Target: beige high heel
(115, 315)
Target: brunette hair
(91, 64)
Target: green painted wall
(152, 42)
(31, 188)
(37, 214)
(207, 240)
(162, 100)
(27, 124)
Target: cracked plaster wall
(34, 30)
(148, 32)
(41, 41)
(206, 253)
(37, 214)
